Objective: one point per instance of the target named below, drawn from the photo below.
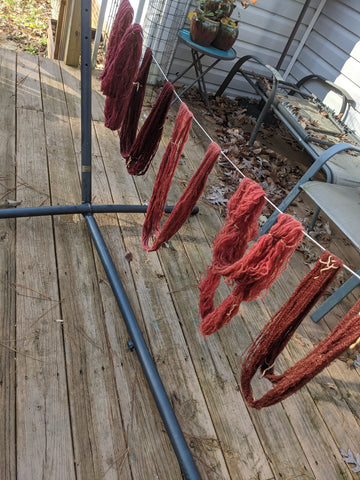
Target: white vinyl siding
(331, 50)
(264, 30)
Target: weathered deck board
(134, 395)
(7, 271)
(297, 414)
(44, 436)
(165, 336)
(85, 410)
(237, 438)
(99, 443)
(276, 434)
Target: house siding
(331, 50)
(264, 30)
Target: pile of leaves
(230, 124)
(270, 169)
(25, 23)
(267, 167)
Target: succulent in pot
(227, 34)
(204, 27)
(214, 16)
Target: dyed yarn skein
(240, 227)
(166, 174)
(188, 199)
(147, 141)
(128, 131)
(123, 20)
(263, 352)
(254, 274)
(121, 74)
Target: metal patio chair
(334, 148)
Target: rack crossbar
(78, 209)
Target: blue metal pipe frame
(80, 209)
(173, 429)
(176, 436)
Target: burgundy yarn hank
(189, 197)
(129, 127)
(124, 66)
(166, 174)
(277, 332)
(149, 136)
(241, 226)
(123, 19)
(117, 85)
(256, 271)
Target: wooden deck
(74, 403)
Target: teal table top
(184, 35)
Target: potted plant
(227, 34)
(218, 12)
(204, 27)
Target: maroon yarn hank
(240, 227)
(129, 127)
(166, 174)
(124, 67)
(123, 19)
(117, 85)
(256, 271)
(277, 332)
(149, 136)
(189, 197)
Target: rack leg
(85, 101)
(172, 426)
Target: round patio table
(198, 52)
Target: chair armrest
(237, 68)
(308, 175)
(347, 99)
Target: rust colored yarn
(121, 74)
(123, 19)
(149, 136)
(188, 199)
(256, 271)
(241, 226)
(165, 174)
(129, 127)
(277, 332)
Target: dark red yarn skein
(121, 74)
(149, 136)
(166, 174)
(256, 271)
(241, 226)
(129, 127)
(189, 197)
(123, 19)
(277, 332)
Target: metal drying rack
(87, 209)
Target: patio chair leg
(314, 218)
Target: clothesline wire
(321, 247)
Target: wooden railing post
(73, 40)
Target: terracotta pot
(226, 36)
(204, 31)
